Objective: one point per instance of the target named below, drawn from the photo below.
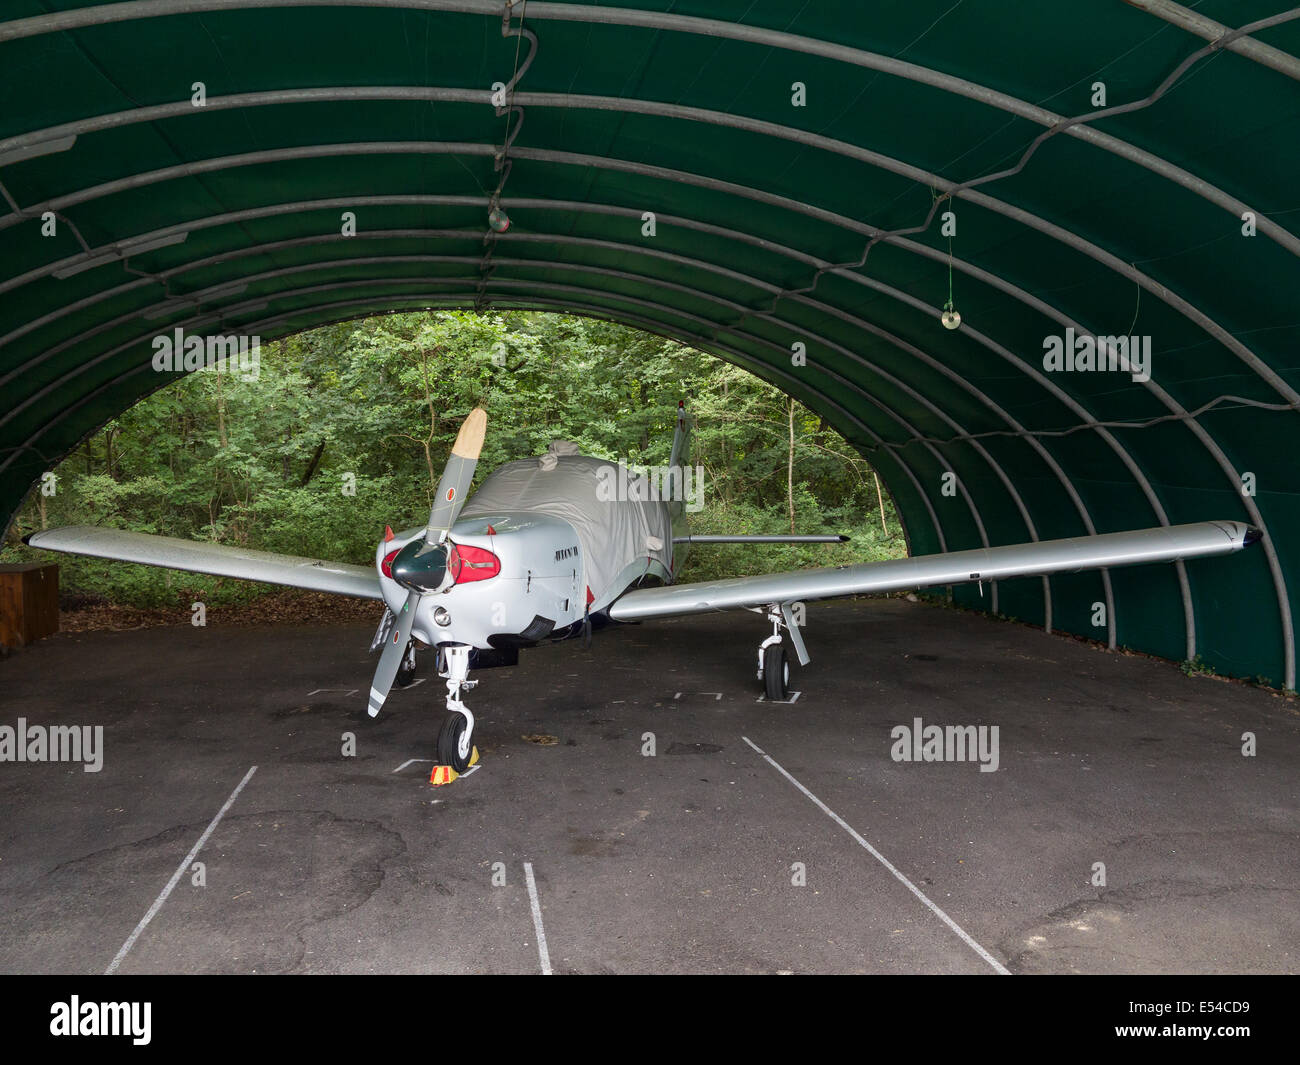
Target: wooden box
(29, 602)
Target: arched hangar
(1105, 192)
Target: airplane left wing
(1164, 544)
(222, 560)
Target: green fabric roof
(775, 224)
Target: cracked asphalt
(684, 861)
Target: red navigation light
(387, 565)
(466, 564)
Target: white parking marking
(411, 761)
(794, 698)
(346, 691)
(542, 953)
(997, 965)
(717, 696)
(176, 876)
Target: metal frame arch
(918, 73)
(1027, 218)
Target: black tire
(449, 743)
(776, 672)
(405, 677)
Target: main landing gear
(456, 739)
(406, 671)
(773, 666)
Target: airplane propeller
(456, 476)
(394, 651)
(450, 497)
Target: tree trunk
(881, 500)
(789, 470)
(315, 461)
(221, 410)
(645, 432)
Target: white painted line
(348, 691)
(413, 684)
(176, 876)
(542, 953)
(794, 698)
(411, 761)
(997, 965)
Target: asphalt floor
(758, 837)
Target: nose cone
(420, 567)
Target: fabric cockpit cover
(583, 491)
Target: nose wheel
(454, 746)
(456, 738)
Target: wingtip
(28, 539)
(1253, 535)
(844, 539)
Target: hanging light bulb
(950, 317)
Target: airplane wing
(1164, 544)
(222, 560)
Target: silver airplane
(549, 545)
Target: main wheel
(406, 671)
(454, 746)
(776, 672)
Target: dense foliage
(267, 462)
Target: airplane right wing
(222, 560)
(1163, 544)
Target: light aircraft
(547, 545)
